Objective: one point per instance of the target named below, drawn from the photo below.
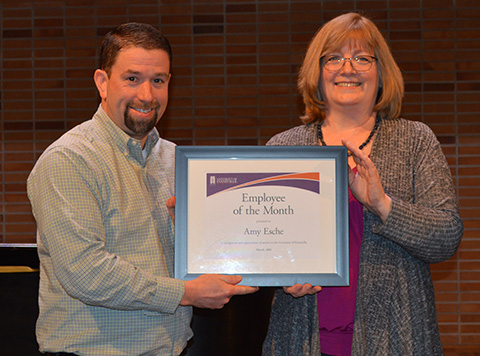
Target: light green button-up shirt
(106, 244)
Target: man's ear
(101, 80)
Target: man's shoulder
(166, 144)
(81, 143)
(164, 153)
(82, 136)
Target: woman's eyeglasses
(359, 63)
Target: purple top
(336, 305)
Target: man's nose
(145, 92)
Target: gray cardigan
(395, 307)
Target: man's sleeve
(66, 202)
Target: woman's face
(349, 88)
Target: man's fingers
(171, 207)
(171, 202)
(230, 279)
(238, 290)
(242, 290)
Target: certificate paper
(273, 220)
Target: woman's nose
(347, 66)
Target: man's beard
(144, 126)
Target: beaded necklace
(377, 124)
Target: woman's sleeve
(429, 227)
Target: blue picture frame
(193, 156)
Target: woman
(403, 212)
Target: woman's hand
(365, 184)
(299, 290)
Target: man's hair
(356, 30)
(130, 35)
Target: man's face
(135, 95)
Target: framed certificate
(276, 215)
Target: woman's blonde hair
(356, 30)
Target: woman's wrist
(384, 209)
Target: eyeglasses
(359, 63)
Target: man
(104, 234)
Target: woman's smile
(348, 84)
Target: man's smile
(144, 111)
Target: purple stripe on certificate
(221, 182)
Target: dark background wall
(234, 83)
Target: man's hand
(213, 291)
(171, 207)
(299, 290)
